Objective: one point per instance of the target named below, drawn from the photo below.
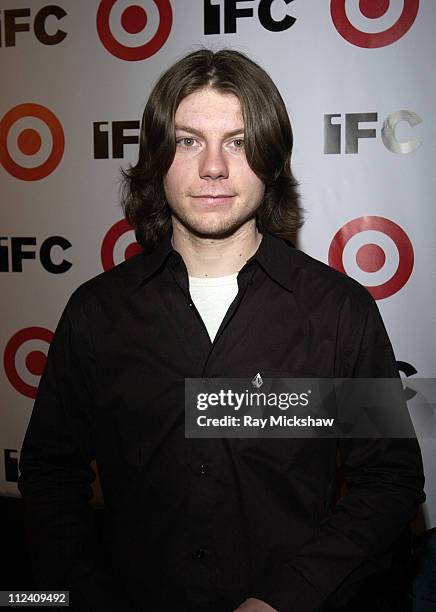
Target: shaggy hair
(268, 143)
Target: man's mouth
(213, 195)
(208, 198)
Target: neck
(214, 257)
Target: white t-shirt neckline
(212, 298)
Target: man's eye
(186, 141)
(239, 143)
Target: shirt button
(191, 304)
(199, 553)
(203, 469)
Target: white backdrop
(360, 87)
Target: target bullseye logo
(134, 32)
(117, 245)
(376, 252)
(32, 142)
(23, 354)
(373, 23)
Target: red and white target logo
(376, 252)
(119, 244)
(32, 142)
(373, 23)
(134, 32)
(25, 357)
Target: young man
(211, 524)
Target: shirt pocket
(148, 417)
(260, 451)
(129, 424)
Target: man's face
(210, 188)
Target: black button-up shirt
(210, 519)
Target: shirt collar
(158, 256)
(274, 255)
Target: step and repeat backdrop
(360, 87)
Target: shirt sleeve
(55, 473)
(384, 486)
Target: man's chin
(214, 231)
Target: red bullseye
(132, 250)
(370, 258)
(35, 362)
(108, 245)
(29, 142)
(134, 19)
(373, 9)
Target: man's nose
(213, 163)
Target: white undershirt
(212, 298)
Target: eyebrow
(186, 128)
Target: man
(211, 524)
